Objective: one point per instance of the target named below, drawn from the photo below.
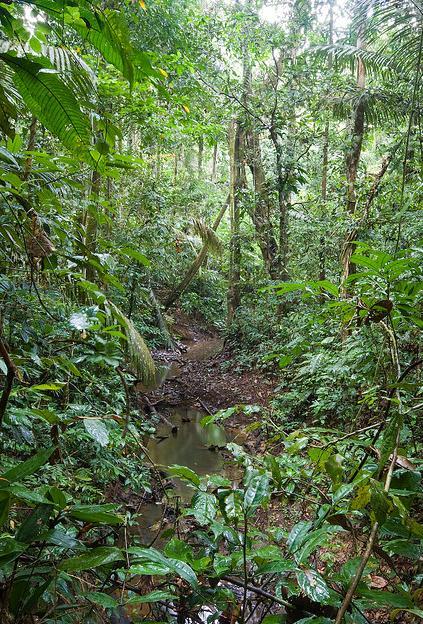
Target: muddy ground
(202, 373)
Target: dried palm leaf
(208, 236)
(139, 355)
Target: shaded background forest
(252, 169)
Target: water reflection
(193, 446)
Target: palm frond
(139, 355)
(75, 72)
(345, 55)
(380, 106)
(393, 27)
(208, 236)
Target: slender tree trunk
(200, 156)
(30, 147)
(10, 376)
(325, 161)
(352, 163)
(196, 264)
(175, 168)
(91, 222)
(283, 205)
(261, 213)
(237, 185)
(214, 163)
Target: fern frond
(208, 236)
(139, 354)
(75, 72)
(51, 101)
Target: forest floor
(203, 375)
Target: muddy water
(191, 445)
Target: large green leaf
(257, 492)
(98, 514)
(204, 507)
(94, 558)
(179, 568)
(27, 467)
(313, 585)
(184, 473)
(153, 596)
(108, 33)
(51, 101)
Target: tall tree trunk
(325, 161)
(352, 162)
(200, 155)
(214, 163)
(237, 185)
(261, 213)
(283, 205)
(30, 147)
(196, 264)
(91, 221)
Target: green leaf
(184, 473)
(103, 555)
(313, 585)
(180, 568)
(153, 596)
(204, 507)
(298, 534)
(389, 439)
(257, 492)
(47, 386)
(99, 598)
(10, 549)
(51, 101)
(31, 496)
(279, 566)
(98, 514)
(97, 430)
(28, 467)
(136, 255)
(34, 524)
(107, 32)
(385, 598)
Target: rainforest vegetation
(210, 311)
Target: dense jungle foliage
(253, 168)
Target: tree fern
(139, 354)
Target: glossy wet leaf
(185, 473)
(313, 585)
(28, 467)
(204, 507)
(103, 555)
(102, 599)
(97, 430)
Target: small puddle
(192, 445)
